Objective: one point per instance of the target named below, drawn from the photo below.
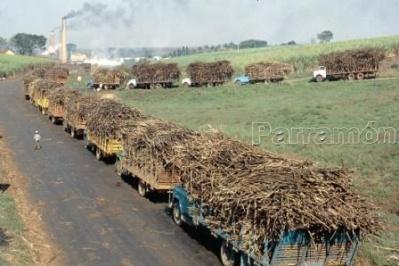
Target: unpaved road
(94, 220)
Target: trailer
(158, 181)
(107, 79)
(139, 84)
(297, 247)
(264, 72)
(188, 82)
(154, 75)
(102, 146)
(40, 100)
(56, 112)
(75, 127)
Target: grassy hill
(303, 57)
(10, 64)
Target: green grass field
(10, 64)
(299, 104)
(304, 57)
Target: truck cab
(132, 84)
(186, 82)
(320, 74)
(242, 80)
(293, 248)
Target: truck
(295, 247)
(352, 64)
(264, 73)
(208, 74)
(324, 73)
(106, 79)
(154, 75)
(161, 182)
(103, 146)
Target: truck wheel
(185, 85)
(131, 86)
(99, 154)
(360, 76)
(319, 78)
(142, 188)
(227, 254)
(351, 76)
(176, 213)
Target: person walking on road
(36, 138)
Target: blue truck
(293, 248)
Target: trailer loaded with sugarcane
(352, 64)
(152, 75)
(208, 74)
(57, 100)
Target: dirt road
(93, 219)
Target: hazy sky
(137, 23)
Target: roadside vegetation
(14, 248)
(304, 57)
(11, 64)
(300, 104)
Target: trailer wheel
(99, 154)
(227, 255)
(319, 78)
(176, 213)
(351, 76)
(360, 76)
(142, 188)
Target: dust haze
(166, 23)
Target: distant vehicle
(350, 64)
(323, 73)
(293, 248)
(242, 80)
(186, 82)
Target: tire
(185, 85)
(142, 189)
(99, 154)
(176, 213)
(360, 76)
(319, 78)
(351, 76)
(227, 255)
(53, 120)
(131, 87)
(237, 83)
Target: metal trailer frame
(294, 247)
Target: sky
(171, 23)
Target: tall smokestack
(63, 47)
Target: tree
(252, 44)
(25, 43)
(325, 36)
(3, 43)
